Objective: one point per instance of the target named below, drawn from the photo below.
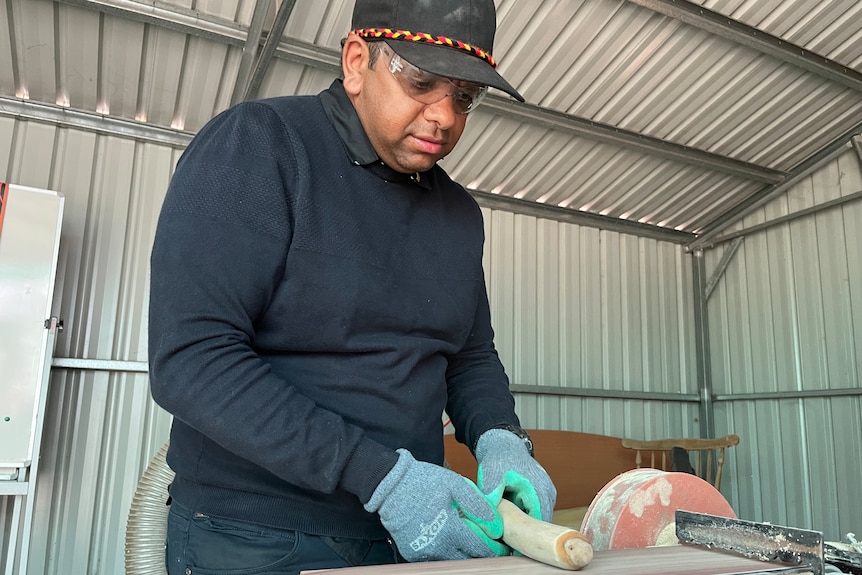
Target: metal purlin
(269, 49)
(249, 51)
(703, 288)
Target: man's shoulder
(444, 181)
(263, 116)
(285, 106)
(454, 192)
(278, 121)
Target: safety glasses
(430, 88)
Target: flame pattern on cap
(425, 37)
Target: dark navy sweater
(309, 315)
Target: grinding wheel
(637, 508)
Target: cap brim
(452, 63)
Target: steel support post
(701, 328)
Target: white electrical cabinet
(30, 221)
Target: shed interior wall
(786, 320)
(574, 307)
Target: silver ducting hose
(148, 519)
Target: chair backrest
(708, 454)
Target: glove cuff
(366, 468)
(390, 480)
(499, 439)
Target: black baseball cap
(452, 38)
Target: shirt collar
(345, 120)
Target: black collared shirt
(320, 316)
(344, 118)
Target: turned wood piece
(551, 544)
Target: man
(317, 302)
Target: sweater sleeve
(218, 256)
(479, 397)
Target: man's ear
(354, 63)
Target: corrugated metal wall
(575, 307)
(786, 341)
(101, 427)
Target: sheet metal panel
(206, 82)
(161, 77)
(119, 65)
(830, 29)
(102, 428)
(78, 54)
(33, 48)
(576, 307)
(624, 65)
(8, 61)
(787, 317)
(798, 462)
(239, 11)
(796, 283)
(78, 58)
(292, 78)
(321, 23)
(503, 156)
(620, 64)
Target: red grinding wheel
(637, 508)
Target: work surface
(673, 560)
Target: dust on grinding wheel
(637, 508)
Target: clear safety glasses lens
(430, 88)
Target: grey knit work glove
(507, 470)
(429, 510)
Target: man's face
(408, 135)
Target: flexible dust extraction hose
(148, 516)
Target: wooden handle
(551, 544)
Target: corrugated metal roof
(678, 115)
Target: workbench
(671, 560)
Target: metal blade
(842, 556)
(762, 541)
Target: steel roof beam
(324, 58)
(169, 16)
(815, 209)
(577, 217)
(626, 139)
(190, 22)
(730, 29)
(249, 51)
(270, 47)
(90, 121)
(827, 154)
(856, 142)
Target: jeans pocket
(222, 546)
(176, 540)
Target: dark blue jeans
(201, 545)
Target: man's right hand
(422, 505)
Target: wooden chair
(703, 469)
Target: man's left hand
(508, 471)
